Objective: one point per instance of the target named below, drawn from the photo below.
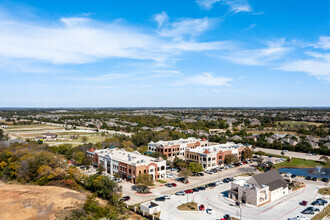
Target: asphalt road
(290, 154)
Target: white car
(218, 182)
(167, 196)
(169, 175)
(209, 211)
(180, 193)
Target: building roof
(176, 142)
(121, 155)
(271, 178)
(216, 148)
(206, 151)
(91, 150)
(48, 134)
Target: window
(140, 172)
(144, 171)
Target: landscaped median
(190, 206)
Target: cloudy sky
(164, 53)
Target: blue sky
(164, 53)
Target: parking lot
(216, 199)
(160, 189)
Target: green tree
(247, 153)
(195, 167)
(231, 159)
(144, 179)
(84, 139)
(324, 158)
(185, 173)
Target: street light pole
(240, 210)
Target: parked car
(201, 207)
(308, 178)
(218, 182)
(169, 185)
(180, 193)
(226, 217)
(322, 200)
(201, 188)
(209, 211)
(211, 185)
(310, 212)
(174, 184)
(162, 198)
(188, 191)
(314, 179)
(169, 175)
(301, 217)
(325, 180)
(303, 203)
(313, 209)
(226, 180)
(126, 198)
(167, 196)
(319, 202)
(195, 190)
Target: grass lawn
(301, 163)
(325, 191)
(32, 127)
(161, 181)
(322, 214)
(190, 206)
(299, 123)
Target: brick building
(176, 147)
(128, 164)
(214, 156)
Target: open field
(293, 123)
(32, 127)
(36, 202)
(300, 163)
(273, 131)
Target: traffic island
(190, 206)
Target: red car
(201, 207)
(174, 184)
(189, 191)
(304, 203)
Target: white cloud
(83, 40)
(235, 6)
(275, 50)
(207, 3)
(187, 27)
(323, 43)
(161, 18)
(205, 79)
(318, 65)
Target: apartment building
(259, 189)
(128, 164)
(176, 147)
(214, 156)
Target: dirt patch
(36, 202)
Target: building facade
(259, 189)
(214, 156)
(177, 148)
(128, 164)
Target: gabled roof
(272, 178)
(91, 150)
(204, 139)
(206, 151)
